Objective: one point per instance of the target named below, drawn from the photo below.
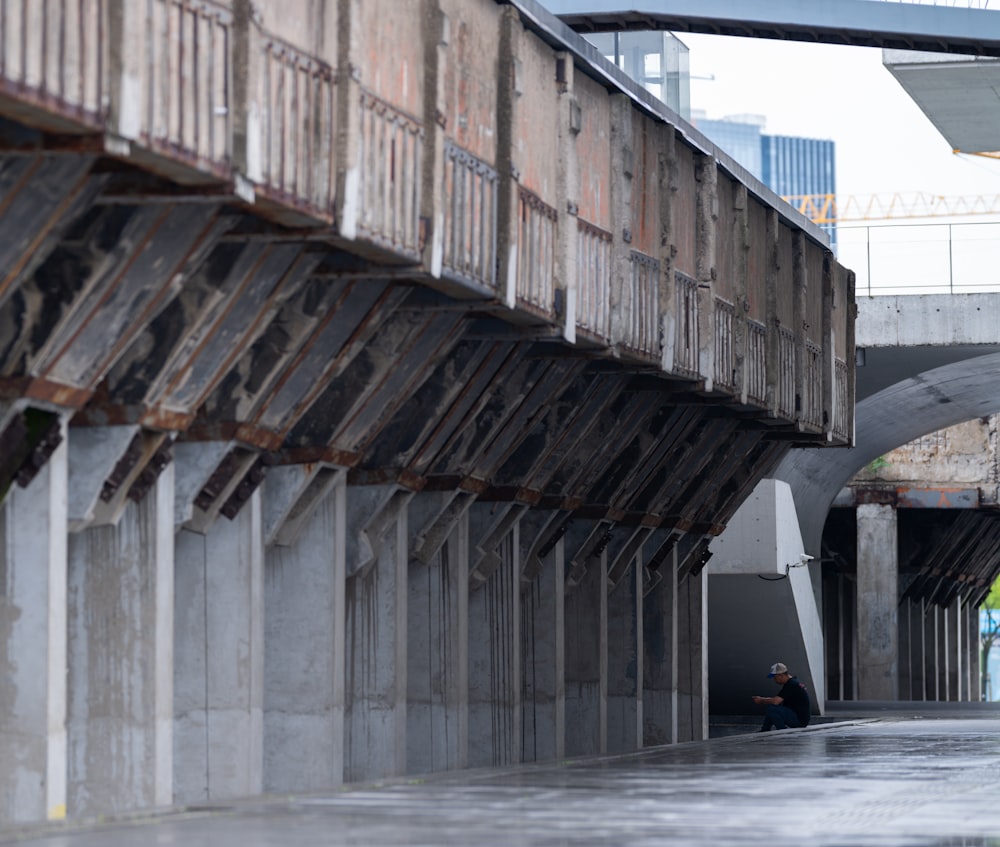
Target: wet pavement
(876, 776)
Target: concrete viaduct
(375, 376)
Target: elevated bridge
(374, 378)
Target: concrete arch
(929, 362)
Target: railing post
(773, 355)
(623, 167)
(800, 291)
(706, 232)
(126, 37)
(508, 90)
(741, 253)
(668, 250)
(433, 202)
(245, 105)
(828, 402)
(348, 120)
(568, 189)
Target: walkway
(875, 778)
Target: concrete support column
(974, 654)
(375, 615)
(625, 661)
(437, 708)
(956, 652)
(495, 729)
(911, 651)
(587, 650)
(543, 658)
(944, 640)
(659, 655)
(916, 648)
(33, 647)
(304, 652)
(219, 659)
(878, 588)
(692, 658)
(931, 624)
(120, 649)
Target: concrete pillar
(587, 650)
(219, 659)
(33, 647)
(544, 656)
(625, 661)
(878, 581)
(692, 658)
(905, 652)
(659, 644)
(120, 650)
(304, 640)
(944, 638)
(437, 708)
(495, 736)
(956, 651)
(931, 679)
(375, 615)
(915, 689)
(974, 654)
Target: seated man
(790, 707)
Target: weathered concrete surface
(914, 775)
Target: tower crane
(836, 208)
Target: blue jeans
(780, 717)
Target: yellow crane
(836, 208)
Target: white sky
(884, 142)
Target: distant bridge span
(860, 23)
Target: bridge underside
(371, 414)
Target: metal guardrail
(56, 52)
(298, 127)
(921, 258)
(470, 225)
(686, 335)
(392, 148)
(786, 373)
(594, 274)
(725, 349)
(187, 79)
(642, 305)
(536, 250)
(756, 362)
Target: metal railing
(187, 80)
(536, 250)
(786, 373)
(54, 53)
(812, 385)
(298, 127)
(921, 258)
(686, 337)
(725, 350)
(641, 303)
(841, 400)
(470, 223)
(392, 145)
(756, 362)
(593, 267)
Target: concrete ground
(876, 774)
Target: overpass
(369, 411)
